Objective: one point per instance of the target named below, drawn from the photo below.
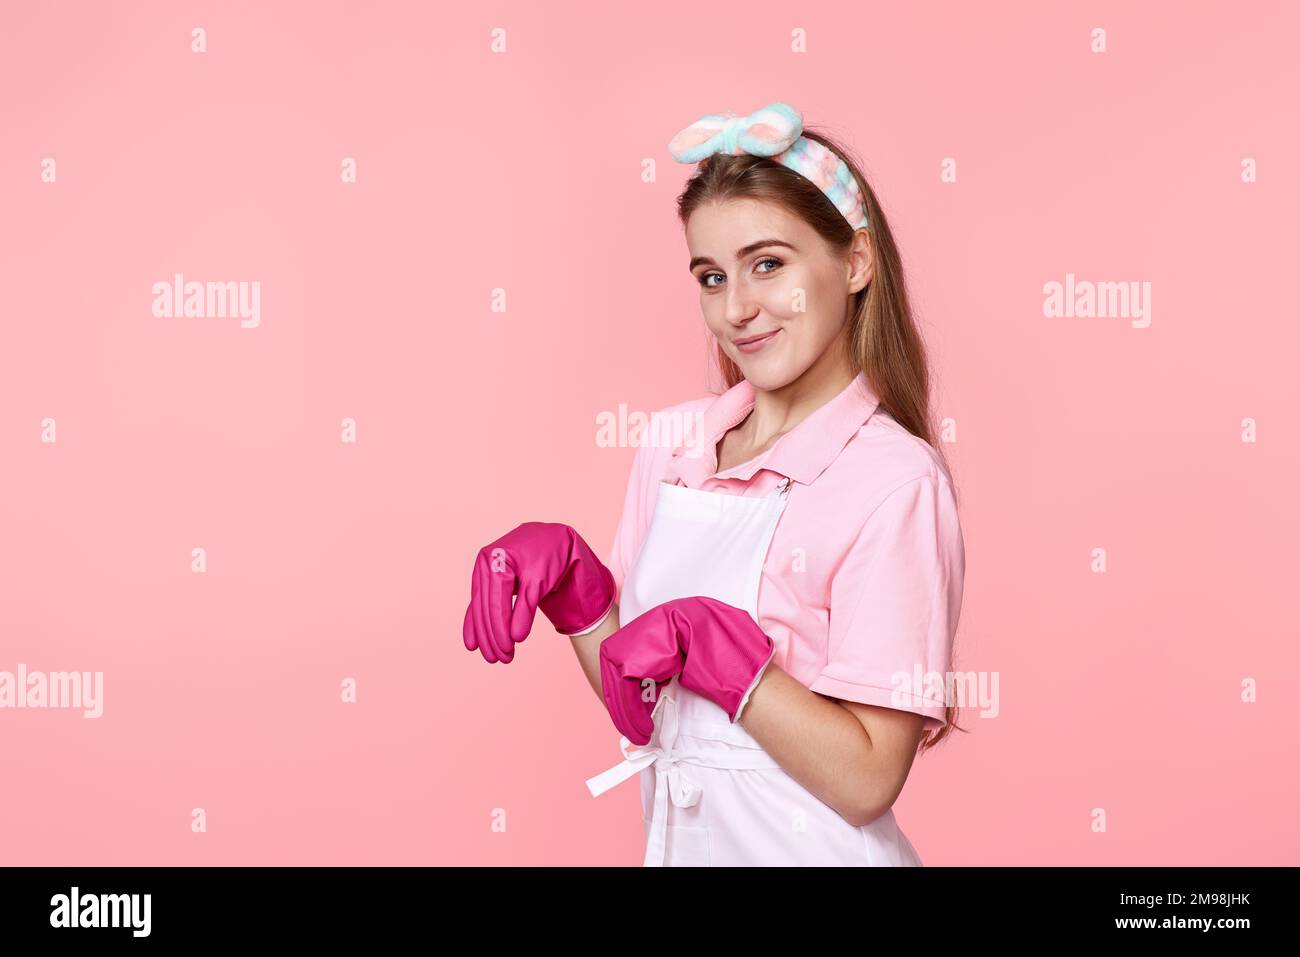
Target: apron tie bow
(670, 781)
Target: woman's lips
(756, 344)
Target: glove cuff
(590, 628)
(584, 594)
(735, 719)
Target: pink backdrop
(476, 170)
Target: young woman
(775, 627)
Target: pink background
(522, 171)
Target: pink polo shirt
(863, 580)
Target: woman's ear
(860, 260)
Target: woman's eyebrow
(740, 253)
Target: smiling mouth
(746, 341)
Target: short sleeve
(895, 602)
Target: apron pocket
(687, 846)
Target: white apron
(710, 794)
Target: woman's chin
(768, 376)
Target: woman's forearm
(817, 742)
(587, 648)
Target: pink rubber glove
(719, 651)
(549, 566)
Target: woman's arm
(587, 648)
(853, 757)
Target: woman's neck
(777, 411)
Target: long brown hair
(881, 339)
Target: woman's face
(763, 271)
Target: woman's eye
(704, 280)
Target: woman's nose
(739, 305)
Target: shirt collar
(803, 453)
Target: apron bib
(710, 794)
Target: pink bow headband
(775, 132)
